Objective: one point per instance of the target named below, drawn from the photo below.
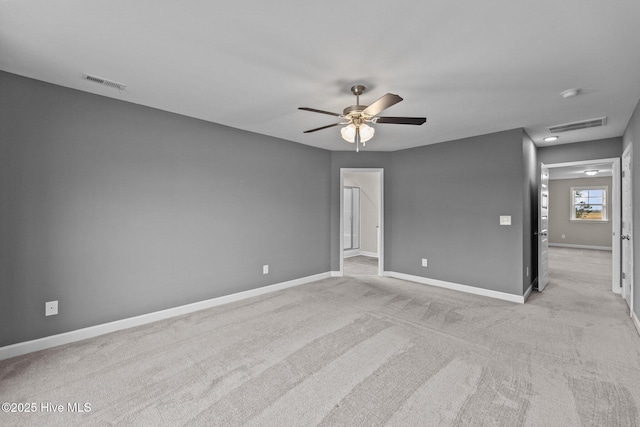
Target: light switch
(505, 220)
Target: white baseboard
(567, 245)
(357, 252)
(93, 331)
(336, 274)
(458, 287)
(636, 322)
(369, 254)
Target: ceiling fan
(356, 117)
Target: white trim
(369, 254)
(636, 322)
(105, 328)
(628, 152)
(583, 162)
(336, 274)
(568, 245)
(356, 252)
(458, 287)
(542, 235)
(351, 253)
(616, 221)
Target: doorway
(575, 171)
(362, 221)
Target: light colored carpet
(355, 351)
(360, 266)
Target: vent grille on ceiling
(585, 124)
(105, 82)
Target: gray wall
(632, 137)
(576, 233)
(116, 210)
(445, 202)
(590, 150)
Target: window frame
(605, 207)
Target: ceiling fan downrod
(358, 90)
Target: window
(589, 203)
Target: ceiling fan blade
(313, 110)
(401, 120)
(323, 127)
(382, 104)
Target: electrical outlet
(527, 271)
(51, 308)
(265, 269)
(564, 237)
(505, 219)
(424, 262)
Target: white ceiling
(471, 67)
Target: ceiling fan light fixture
(366, 132)
(348, 133)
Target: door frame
(380, 172)
(616, 214)
(542, 233)
(629, 152)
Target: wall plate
(505, 219)
(51, 308)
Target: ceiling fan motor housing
(354, 109)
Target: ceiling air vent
(105, 82)
(585, 124)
